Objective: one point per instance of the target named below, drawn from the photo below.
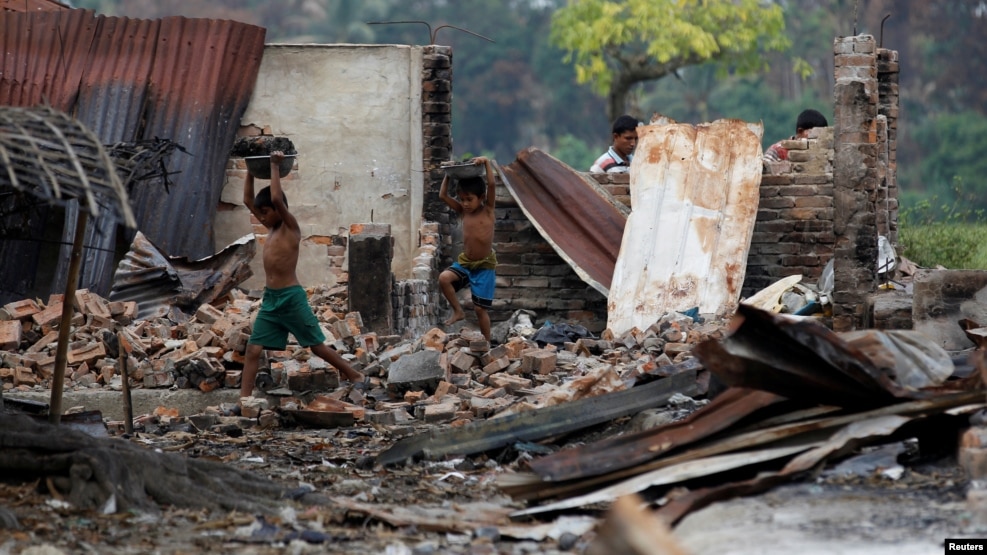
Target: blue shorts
(285, 311)
(481, 283)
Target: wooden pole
(64, 327)
(128, 404)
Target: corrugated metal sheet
(694, 193)
(160, 284)
(31, 5)
(580, 219)
(187, 80)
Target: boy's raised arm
(248, 193)
(444, 195)
(491, 182)
(277, 194)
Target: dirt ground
(455, 507)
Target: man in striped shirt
(808, 119)
(617, 159)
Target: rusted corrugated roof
(581, 220)
(186, 80)
(31, 5)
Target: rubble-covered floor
(910, 514)
(454, 505)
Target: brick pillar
(371, 250)
(855, 179)
(436, 127)
(887, 86)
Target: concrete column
(371, 250)
(855, 179)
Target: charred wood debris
(748, 403)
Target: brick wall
(856, 178)
(793, 232)
(839, 190)
(887, 197)
(531, 276)
(415, 301)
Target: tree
(617, 44)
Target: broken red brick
(20, 310)
(11, 332)
(462, 361)
(208, 314)
(498, 365)
(538, 362)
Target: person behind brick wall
(284, 308)
(477, 263)
(808, 119)
(617, 159)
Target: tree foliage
(516, 92)
(616, 44)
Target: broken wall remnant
(694, 198)
(838, 191)
(335, 183)
(944, 297)
(371, 249)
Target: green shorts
(285, 311)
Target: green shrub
(949, 235)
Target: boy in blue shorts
(475, 265)
(285, 307)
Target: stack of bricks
(617, 184)
(793, 232)
(336, 249)
(415, 301)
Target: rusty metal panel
(160, 284)
(628, 450)
(31, 5)
(580, 219)
(186, 80)
(694, 194)
(42, 57)
(799, 359)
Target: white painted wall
(354, 115)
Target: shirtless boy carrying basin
(475, 266)
(285, 307)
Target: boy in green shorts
(285, 307)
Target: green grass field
(957, 246)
